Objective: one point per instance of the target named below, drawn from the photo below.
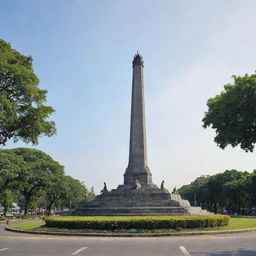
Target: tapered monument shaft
(137, 168)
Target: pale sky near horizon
(82, 53)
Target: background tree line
(231, 191)
(34, 180)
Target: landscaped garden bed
(137, 222)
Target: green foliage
(90, 195)
(232, 114)
(29, 225)
(56, 190)
(66, 189)
(232, 191)
(144, 222)
(23, 115)
(75, 192)
(6, 200)
(39, 180)
(41, 170)
(11, 168)
(2, 218)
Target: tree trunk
(50, 207)
(215, 206)
(27, 201)
(239, 206)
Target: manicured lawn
(29, 225)
(238, 223)
(234, 223)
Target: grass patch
(238, 223)
(234, 224)
(30, 225)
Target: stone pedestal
(148, 200)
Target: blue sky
(82, 53)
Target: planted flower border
(137, 222)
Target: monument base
(147, 200)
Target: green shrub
(2, 218)
(142, 222)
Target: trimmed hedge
(143, 222)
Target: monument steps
(126, 201)
(138, 211)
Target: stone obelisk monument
(137, 168)
(138, 195)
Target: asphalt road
(17, 244)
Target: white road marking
(77, 251)
(184, 250)
(4, 249)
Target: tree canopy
(11, 168)
(233, 191)
(39, 174)
(23, 115)
(33, 178)
(233, 114)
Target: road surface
(18, 244)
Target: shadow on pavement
(240, 252)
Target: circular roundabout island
(136, 225)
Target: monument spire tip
(137, 60)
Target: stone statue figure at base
(105, 189)
(137, 185)
(162, 185)
(175, 191)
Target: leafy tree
(237, 195)
(189, 192)
(230, 190)
(39, 179)
(38, 176)
(197, 192)
(216, 188)
(251, 188)
(23, 115)
(90, 195)
(11, 168)
(56, 190)
(76, 192)
(233, 114)
(6, 200)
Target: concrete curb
(132, 234)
